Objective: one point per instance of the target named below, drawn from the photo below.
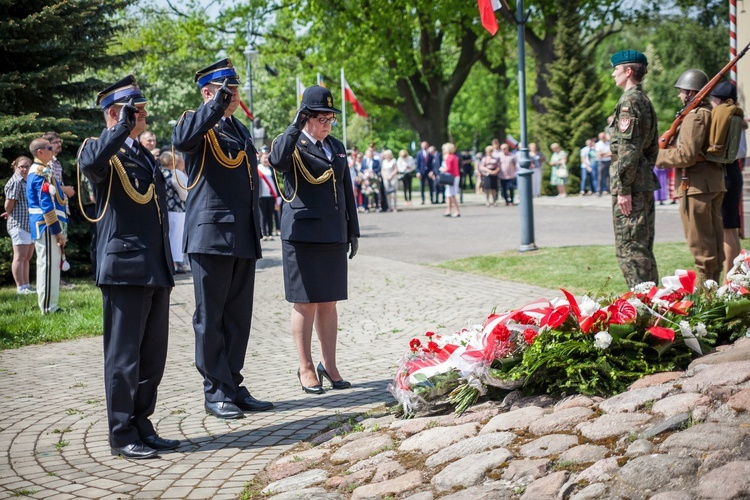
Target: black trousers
(427, 181)
(224, 287)
(267, 205)
(136, 327)
(406, 179)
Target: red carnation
(414, 345)
(523, 318)
(501, 332)
(529, 335)
(45, 187)
(621, 312)
(429, 334)
(662, 332)
(432, 346)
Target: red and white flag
(487, 10)
(246, 110)
(352, 99)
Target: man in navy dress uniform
(222, 237)
(134, 269)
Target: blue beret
(629, 56)
(216, 73)
(120, 93)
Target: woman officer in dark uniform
(318, 224)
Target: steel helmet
(692, 79)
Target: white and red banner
(487, 10)
(352, 99)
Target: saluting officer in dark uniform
(318, 222)
(134, 268)
(222, 237)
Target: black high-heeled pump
(336, 384)
(316, 389)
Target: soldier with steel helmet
(701, 181)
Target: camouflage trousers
(634, 239)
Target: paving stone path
(53, 435)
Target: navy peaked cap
(120, 93)
(318, 98)
(217, 73)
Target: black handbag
(446, 179)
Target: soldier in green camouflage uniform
(634, 144)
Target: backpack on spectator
(725, 134)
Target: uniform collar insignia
(303, 141)
(122, 150)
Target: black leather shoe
(316, 389)
(158, 443)
(251, 404)
(336, 384)
(135, 451)
(224, 410)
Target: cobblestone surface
(53, 431)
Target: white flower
(685, 329)
(710, 285)
(636, 302)
(700, 330)
(588, 306)
(559, 301)
(722, 291)
(739, 258)
(602, 340)
(644, 287)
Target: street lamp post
(250, 54)
(524, 173)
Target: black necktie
(134, 148)
(232, 128)
(319, 144)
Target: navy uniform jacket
(133, 238)
(316, 214)
(222, 217)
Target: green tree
(574, 111)
(50, 51)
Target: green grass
(584, 269)
(21, 322)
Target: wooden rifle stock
(667, 137)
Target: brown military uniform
(700, 205)
(634, 144)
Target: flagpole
(525, 191)
(343, 106)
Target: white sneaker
(25, 291)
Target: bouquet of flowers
(586, 345)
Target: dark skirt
(489, 182)
(314, 272)
(730, 206)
